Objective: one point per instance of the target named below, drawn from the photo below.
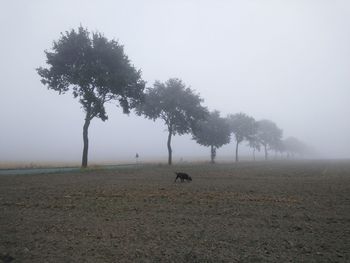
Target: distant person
(137, 157)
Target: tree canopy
(177, 105)
(254, 143)
(294, 146)
(242, 126)
(269, 135)
(96, 70)
(213, 132)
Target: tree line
(97, 71)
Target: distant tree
(278, 147)
(178, 106)
(213, 132)
(96, 70)
(242, 126)
(268, 134)
(294, 146)
(254, 143)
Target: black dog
(183, 177)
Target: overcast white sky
(287, 61)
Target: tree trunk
(84, 162)
(265, 147)
(169, 147)
(237, 151)
(212, 154)
(254, 154)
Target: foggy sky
(287, 61)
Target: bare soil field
(246, 212)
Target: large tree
(242, 126)
(96, 70)
(269, 135)
(177, 105)
(213, 132)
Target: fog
(287, 61)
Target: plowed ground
(246, 212)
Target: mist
(286, 61)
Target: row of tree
(216, 132)
(96, 71)
(181, 110)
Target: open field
(249, 212)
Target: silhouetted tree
(279, 147)
(268, 134)
(242, 126)
(294, 146)
(254, 143)
(96, 70)
(213, 132)
(178, 106)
